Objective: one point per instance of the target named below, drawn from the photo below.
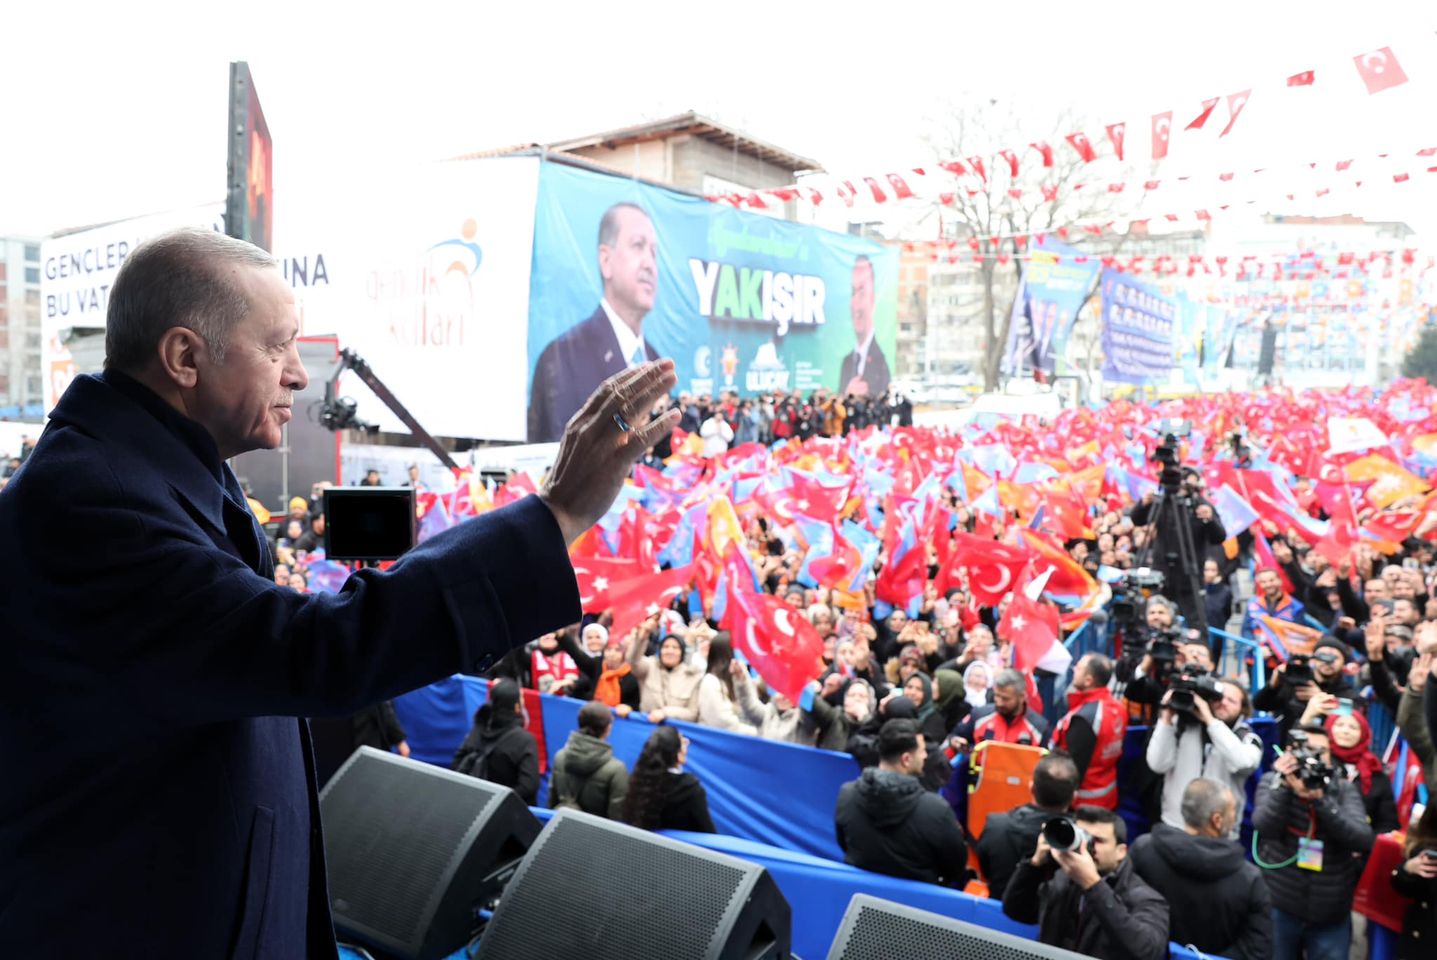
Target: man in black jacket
(1217, 901)
(888, 823)
(498, 748)
(1009, 838)
(1287, 700)
(1090, 900)
(1313, 839)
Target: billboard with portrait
(1053, 289)
(624, 271)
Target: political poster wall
(1138, 328)
(1050, 294)
(426, 277)
(77, 271)
(623, 271)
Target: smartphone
(1429, 854)
(1344, 707)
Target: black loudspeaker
(875, 929)
(601, 890)
(413, 849)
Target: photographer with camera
(1217, 901)
(1311, 836)
(1293, 684)
(1203, 732)
(1084, 894)
(1204, 530)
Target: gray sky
(116, 110)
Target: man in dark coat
(1090, 900)
(612, 339)
(888, 823)
(498, 748)
(152, 674)
(1218, 902)
(865, 369)
(1010, 838)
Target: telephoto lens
(1063, 833)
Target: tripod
(1174, 508)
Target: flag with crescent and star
(773, 637)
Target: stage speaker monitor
(413, 849)
(601, 890)
(875, 929)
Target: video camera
(1190, 682)
(1299, 667)
(1135, 585)
(1314, 772)
(1063, 833)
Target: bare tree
(991, 202)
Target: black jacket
(1125, 918)
(1166, 556)
(1281, 701)
(888, 823)
(686, 804)
(1218, 902)
(1338, 820)
(1419, 925)
(1007, 839)
(875, 370)
(1217, 604)
(501, 751)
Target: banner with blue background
(1138, 328)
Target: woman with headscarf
(718, 701)
(668, 683)
(950, 694)
(607, 677)
(661, 795)
(836, 725)
(918, 688)
(1350, 741)
(978, 684)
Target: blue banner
(623, 270)
(1052, 291)
(1138, 327)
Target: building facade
(20, 376)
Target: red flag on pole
(1032, 627)
(1081, 144)
(641, 597)
(782, 646)
(595, 575)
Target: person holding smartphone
(1417, 878)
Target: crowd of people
(907, 692)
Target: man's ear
(178, 351)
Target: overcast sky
(117, 110)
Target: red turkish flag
(1046, 150)
(1080, 143)
(1115, 134)
(1303, 79)
(900, 186)
(1032, 627)
(776, 639)
(992, 567)
(1012, 159)
(1379, 70)
(1162, 128)
(878, 195)
(839, 567)
(977, 164)
(813, 499)
(1200, 119)
(638, 598)
(595, 575)
(1235, 103)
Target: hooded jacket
(587, 773)
(888, 823)
(1125, 919)
(500, 750)
(686, 804)
(1217, 901)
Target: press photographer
(1292, 684)
(1182, 526)
(1311, 834)
(1151, 652)
(1082, 891)
(1202, 732)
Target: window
(34, 388)
(32, 297)
(32, 253)
(32, 275)
(32, 341)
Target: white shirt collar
(862, 351)
(628, 340)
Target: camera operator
(1150, 653)
(1292, 684)
(1203, 522)
(1313, 837)
(1089, 899)
(1203, 732)
(1217, 901)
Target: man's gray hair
(1010, 679)
(177, 279)
(1202, 800)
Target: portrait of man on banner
(612, 338)
(865, 370)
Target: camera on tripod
(1314, 772)
(1189, 683)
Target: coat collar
(172, 443)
